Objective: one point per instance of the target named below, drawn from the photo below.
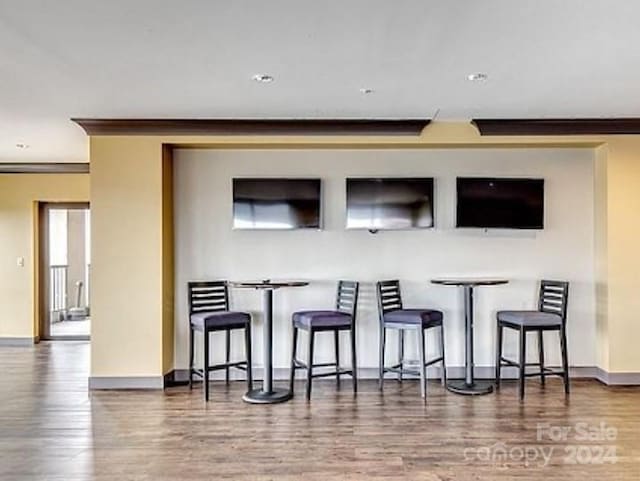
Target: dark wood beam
(623, 126)
(44, 168)
(252, 126)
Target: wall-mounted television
(390, 203)
(273, 203)
(500, 203)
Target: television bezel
(274, 229)
(383, 177)
(523, 179)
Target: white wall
(207, 247)
(58, 237)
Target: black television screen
(500, 203)
(276, 203)
(389, 203)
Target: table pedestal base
(460, 386)
(258, 396)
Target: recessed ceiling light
(262, 78)
(366, 91)
(22, 146)
(477, 77)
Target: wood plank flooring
(51, 428)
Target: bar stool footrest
(333, 373)
(241, 365)
(398, 369)
(547, 372)
(303, 365)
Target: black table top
(268, 284)
(462, 281)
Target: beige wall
(19, 194)
(76, 254)
(127, 257)
(208, 248)
(601, 205)
(620, 346)
(168, 330)
(131, 237)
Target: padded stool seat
(208, 319)
(426, 317)
(530, 318)
(308, 319)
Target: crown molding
(252, 126)
(44, 168)
(620, 126)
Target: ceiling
(196, 59)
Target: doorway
(65, 253)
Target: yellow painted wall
(19, 194)
(127, 256)
(132, 243)
(623, 255)
(601, 255)
(167, 261)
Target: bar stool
(394, 316)
(343, 318)
(550, 316)
(209, 312)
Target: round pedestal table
(469, 385)
(267, 394)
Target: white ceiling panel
(195, 58)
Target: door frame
(43, 269)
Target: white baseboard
(282, 374)
(481, 372)
(126, 382)
(617, 378)
(17, 341)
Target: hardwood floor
(52, 428)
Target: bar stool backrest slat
(389, 299)
(554, 296)
(347, 298)
(208, 296)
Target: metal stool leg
(523, 361)
(565, 359)
(443, 377)
(336, 341)
(310, 363)
(400, 352)
(423, 368)
(499, 354)
(541, 356)
(292, 373)
(205, 370)
(227, 354)
(191, 335)
(247, 343)
(354, 364)
(381, 358)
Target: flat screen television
(390, 203)
(271, 203)
(500, 203)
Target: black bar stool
(550, 316)
(343, 318)
(209, 312)
(394, 316)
